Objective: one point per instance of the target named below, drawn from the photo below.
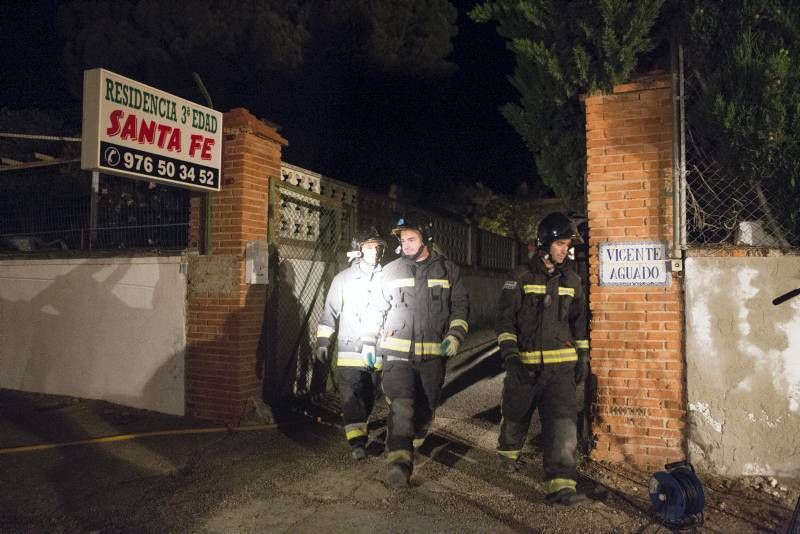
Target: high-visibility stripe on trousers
(552, 391)
(357, 388)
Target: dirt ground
(298, 476)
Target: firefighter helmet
(553, 227)
(419, 223)
(369, 234)
(366, 235)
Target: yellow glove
(450, 346)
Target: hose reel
(677, 496)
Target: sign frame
(136, 131)
(606, 276)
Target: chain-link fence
(309, 237)
(58, 208)
(727, 207)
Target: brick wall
(224, 315)
(636, 332)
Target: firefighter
(422, 306)
(541, 331)
(345, 315)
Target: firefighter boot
(508, 463)
(566, 497)
(359, 452)
(399, 473)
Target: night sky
(428, 135)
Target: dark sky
(427, 134)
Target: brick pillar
(636, 332)
(225, 314)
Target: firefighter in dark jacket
(422, 306)
(345, 314)
(541, 331)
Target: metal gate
(308, 239)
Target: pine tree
(563, 50)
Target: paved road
(297, 477)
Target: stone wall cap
(652, 80)
(242, 120)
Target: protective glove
(581, 370)
(450, 346)
(515, 370)
(368, 355)
(321, 355)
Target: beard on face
(416, 255)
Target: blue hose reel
(677, 495)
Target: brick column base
(225, 314)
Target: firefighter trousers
(357, 386)
(414, 389)
(551, 389)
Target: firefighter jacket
(541, 316)
(347, 303)
(418, 305)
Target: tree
(313, 66)
(163, 42)
(515, 216)
(563, 50)
(745, 107)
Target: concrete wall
(743, 365)
(102, 328)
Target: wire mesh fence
(309, 234)
(58, 208)
(727, 206)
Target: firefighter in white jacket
(345, 310)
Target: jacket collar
(358, 272)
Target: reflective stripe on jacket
(541, 316)
(418, 305)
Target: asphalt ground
(298, 476)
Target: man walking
(541, 331)
(423, 306)
(345, 313)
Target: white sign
(634, 264)
(134, 130)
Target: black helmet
(419, 223)
(365, 235)
(553, 227)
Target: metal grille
(309, 234)
(724, 207)
(453, 239)
(496, 251)
(55, 208)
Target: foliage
(248, 43)
(163, 41)
(563, 50)
(334, 73)
(515, 216)
(746, 107)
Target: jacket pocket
(564, 303)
